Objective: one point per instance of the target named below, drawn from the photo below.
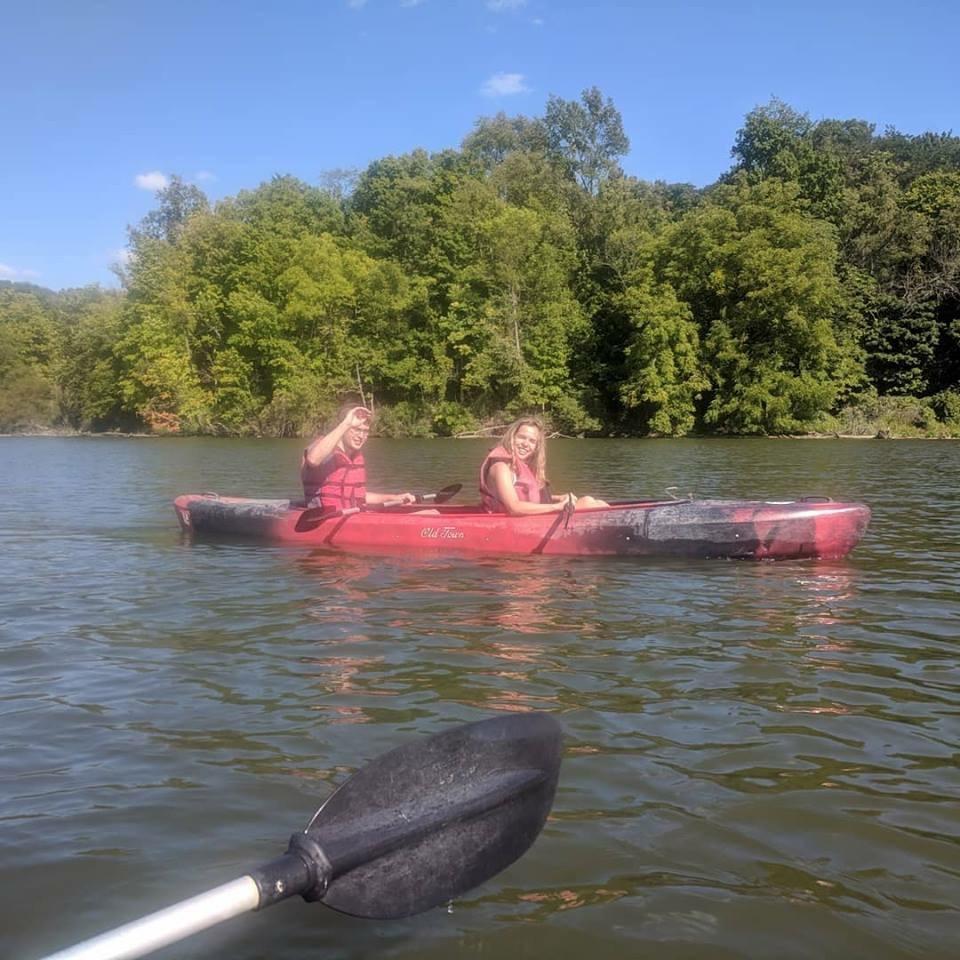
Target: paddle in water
(413, 829)
(313, 515)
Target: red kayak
(747, 529)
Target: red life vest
(525, 482)
(337, 483)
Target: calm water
(761, 759)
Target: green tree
(586, 138)
(176, 204)
(494, 139)
(615, 232)
(921, 153)
(664, 370)
(759, 277)
(28, 359)
(160, 384)
(90, 371)
(778, 142)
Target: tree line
(815, 287)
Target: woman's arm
(584, 502)
(500, 477)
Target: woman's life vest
(338, 483)
(525, 482)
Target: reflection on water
(761, 759)
(554, 901)
(498, 604)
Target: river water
(761, 759)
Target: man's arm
(377, 498)
(322, 447)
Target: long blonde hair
(539, 464)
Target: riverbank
(870, 416)
(113, 434)
(67, 433)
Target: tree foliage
(586, 137)
(523, 271)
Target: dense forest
(815, 287)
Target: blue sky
(101, 99)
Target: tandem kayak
(814, 527)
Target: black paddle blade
(447, 493)
(429, 821)
(312, 517)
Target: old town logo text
(441, 533)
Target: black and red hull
(747, 529)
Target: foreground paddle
(413, 829)
(314, 515)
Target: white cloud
(356, 4)
(16, 273)
(411, 3)
(498, 6)
(202, 175)
(154, 180)
(121, 257)
(537, 21)
(504, 85)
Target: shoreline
(69, 434)
(116, 435)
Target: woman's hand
(592, 503)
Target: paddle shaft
(318, 513)
(170, 925)
(350, 511)
(426, 498)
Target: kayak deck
(743, 529)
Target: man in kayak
(513, 475)
(333, 471)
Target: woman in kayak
(333, 472)
(513, 475)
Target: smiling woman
(513, 475)
(333, 471)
